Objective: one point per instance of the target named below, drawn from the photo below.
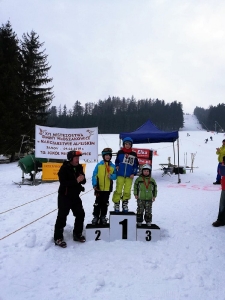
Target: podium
(148, 233)
(97, 232)
(122, 226)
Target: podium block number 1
(124, 229)
(122, 226)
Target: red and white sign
(143, 161)
(142, 153)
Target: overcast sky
(165, 49)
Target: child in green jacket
(145, 191)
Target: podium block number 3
(148, 236)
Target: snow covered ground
(186, 263)
(191, 123)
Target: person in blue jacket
(102, 180)
(127, 166)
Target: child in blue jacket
(126, 165)
(102, 181)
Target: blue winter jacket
(127, 163)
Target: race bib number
(129, 160)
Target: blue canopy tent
(149, 133)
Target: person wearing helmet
(102, 181)
(126, 165)
(71, 178)
(145, 191)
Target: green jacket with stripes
(145, 188)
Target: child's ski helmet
(146, 167)
(107, 151)
(71, 154)
(128, 139)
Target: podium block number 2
(98, 234)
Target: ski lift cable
(218, 124)
(104, 139)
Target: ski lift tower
(216, 123)
(23, 142)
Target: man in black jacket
(71, 178)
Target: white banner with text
(54, 143)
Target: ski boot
(125, 206)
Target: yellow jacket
(221, 153)
(100, 178)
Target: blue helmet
(128, 139)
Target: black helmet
(107, 151)
(71, 154)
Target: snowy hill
(191, 123)
(187, 263)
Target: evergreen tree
(78, 110)
(10, 91)
(114, 115)
(52, 119)
(36, 96)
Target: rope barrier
(36, 219)
(30, 202)
(26, 203)
(26, 225)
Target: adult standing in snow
(71, 178)
(221, 215)
(221, 153)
